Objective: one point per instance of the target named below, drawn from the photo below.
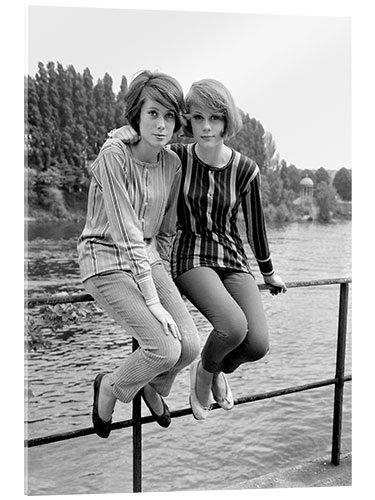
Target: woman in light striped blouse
(209, 263)
(131, 219)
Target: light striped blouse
(207, 232)
(131, 215)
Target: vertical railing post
(340, 372)
(137, 439)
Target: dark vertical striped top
(131, 215)
(210, 198)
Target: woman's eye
(197, 117)
(169, 116)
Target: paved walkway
(315, 473)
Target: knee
(259, 351)
(190, 338)
(166, 354)
(233, 329)
(190, 348)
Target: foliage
(54, 319)
(66, 122)
(291, 177)
(250, 141)
(271, 154)
(321, 175)
(326, 200)
(343, 183)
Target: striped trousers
(159, 357)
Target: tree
(100, 107)
(90, 114)
(276, 187)
(250, 141)
(109, 102)
(321, 175)
(325, 196)
(33, 126)
(54, 100)
(79, 134)
(343, 183)
(45, 109)
(120, 103)
(291, 177)
(271, 154)
(66, 114)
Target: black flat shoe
(102, 428)
(164, 420)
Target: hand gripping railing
(137, 420)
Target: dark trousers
(231, 302)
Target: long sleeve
(255, 225)
(168, 226)
(124, 225)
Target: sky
(290, 72)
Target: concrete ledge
(316, 473)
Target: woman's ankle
(203, 386)
(107, 399)
(219, 386)
(154, 399)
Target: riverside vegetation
(67, 119)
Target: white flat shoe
(199, 412)
(227, 402)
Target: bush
(282, 213)
(52, 199)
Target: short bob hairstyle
(157, 86)
(213, 96)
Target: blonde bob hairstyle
(160, 87)
(214, 97)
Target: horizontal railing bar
(181, 413)
(58, 299)
(85, 297)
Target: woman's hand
(168, 323)
(126, 134)
(276, 283)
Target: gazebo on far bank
(306, 198)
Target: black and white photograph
(188, 250)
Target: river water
(229, 447)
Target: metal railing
(137, 420)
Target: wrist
(268, 276)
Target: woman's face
(156, 123)
(208, 127)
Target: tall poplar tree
(250, 141)
(42, 88)
(120, 103)
(101, 129)
(33, 126)
(109, 100)
(91, 114)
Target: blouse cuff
(266, 267)
(148, 289)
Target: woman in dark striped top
(209, 263)
(131, 218)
